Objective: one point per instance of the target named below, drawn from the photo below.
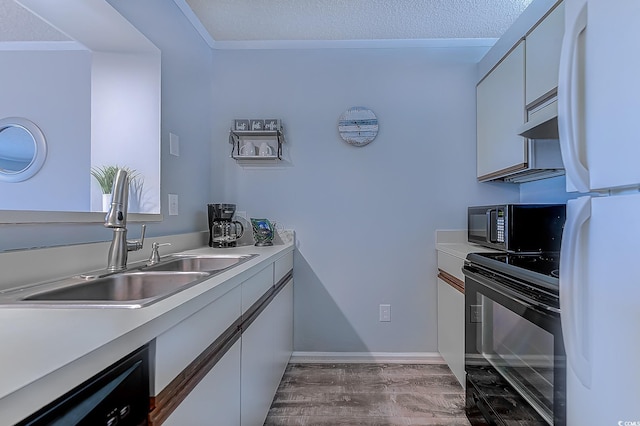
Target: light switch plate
(385, 313)
(173, 204)
(174, 145)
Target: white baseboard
(299, 357)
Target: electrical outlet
(385, 313)
(475, 314)
(174, 145)
(173, 205)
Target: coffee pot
(223, 232)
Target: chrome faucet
(116, 219)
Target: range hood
(543, 146)
(543, 121)
(544, 161)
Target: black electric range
(535, 274)
(514, 352)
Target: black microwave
(517, 228)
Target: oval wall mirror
(23, 149)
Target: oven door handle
(511, 295)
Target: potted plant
(105, 176)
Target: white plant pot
(106, 202)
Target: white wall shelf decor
(256, 139)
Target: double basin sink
(134, 288)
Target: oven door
(514, 361)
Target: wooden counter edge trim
(165, 403)
(179, 388)
(503, 173)
(451, 280)
(256, 309)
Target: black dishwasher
(118, 395)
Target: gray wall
(186, 111)
(546, 191)
(364, 217)
(52, 89)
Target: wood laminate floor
(368, 394)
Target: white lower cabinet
(182, 344)
(451, 328)
(283, 333)
(257, 352)
(239, 389)
(256, 373)
(216, 399)
(266, 348)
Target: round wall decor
(23, 149)
(358, 126)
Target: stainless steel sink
(140, 287)
(199, 263)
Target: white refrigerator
(599, 123)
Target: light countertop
(46, 350)
(454, 243)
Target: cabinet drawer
(256, 286)
(451, 265)
(282, 266)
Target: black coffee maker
(223, 231)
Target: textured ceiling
(251, 20)
(311, 20)
(18, 24)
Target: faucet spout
(116, 219)
(117, 215)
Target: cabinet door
(266, 349)
(283, 307)
(500, 113)
(216, 399)
(451, 328)
(543, 56)
(256, 371)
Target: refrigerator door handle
(572, 306)
(568, 117)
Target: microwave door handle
(489, 226)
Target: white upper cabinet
(500, 113)
(543, 57)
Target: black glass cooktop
(545, 263)
(539, 267)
